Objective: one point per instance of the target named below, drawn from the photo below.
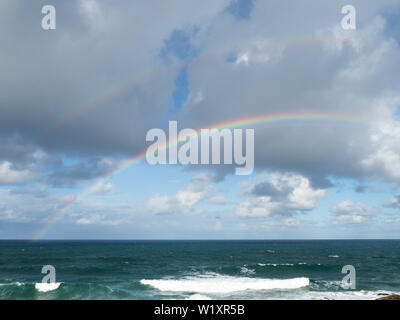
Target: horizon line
(287, 239)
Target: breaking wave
(45, 287)
(216, 283)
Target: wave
(341, 295)
(66, 291)
(198, 297)
(199, 287)
(282, 264)
(279, 264)
(333, 256)
(215, 283)
(17, 283)
(45, 287)
(246, 270)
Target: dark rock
(390, 297)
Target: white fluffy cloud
(30, 205)
(279, 194)
(102, 188)
(384, 160)
(184, 201)
(10, 176)
(348, 211)
(100, 213)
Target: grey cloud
(37, 192)
(34, 206)
(22, 162)
(310, 66)
(348, 211)
(96, 84)
(26, 206)
(393, 203)
(186, 199)
(86, 169)
(270, 190)
(361, 189)
(277, 194)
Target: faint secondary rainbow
(238, 123)
(157, 70)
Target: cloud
(30, 205)
(384, 161)
(91, 220)
(273, 191)
(159, 205)
(105, 213)
(184, 201)
(394, 202)
(9, 176)
(265, 66)
(34, 206)
(72, 104)
(348, 211)
(97, 83)
(19, 151)
(218, 199)
(102, 188)
(82, 170)
(279, 194)
(84, 97)
(361, 189)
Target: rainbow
(238, 123)
(111, 93)
(147, 75)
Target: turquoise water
(199, 269)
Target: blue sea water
(199, 269)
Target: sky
(76, 103)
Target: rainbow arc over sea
(258, 120)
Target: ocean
(199, 269)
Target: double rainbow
(238, 123)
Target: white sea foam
(45, 287)
(246, 270)
(215, 283)
(198, 297)
(340, 295)
(333, 256)
(12, 283)
(280, 264)
(326, 285)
